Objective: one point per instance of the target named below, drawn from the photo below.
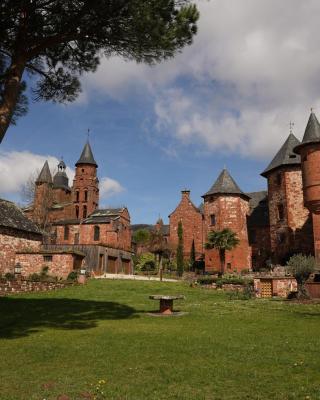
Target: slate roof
(11, 216)
(86, 156)
(104, 215)
(45, 174)
(225, 184)
(285, 155)
(311, 133)
(61, 180)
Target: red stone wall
(85, 180)
(116, 234)
(60, 266)
(261, 247)
(294, 232)
(10, 242)
(191, 219)
(230, 212)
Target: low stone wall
(313, 289)
(225, 286)
(24, 285)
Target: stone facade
(192, 225)
(13, 240)
(227, 211)
(290, 222)
(59, 264)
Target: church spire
(45, 174)
(86, 156)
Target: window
(84, 214)
(47, 258)
(280, 212)
(85, 195)
(292, 156)
(281, 237)
(96, 234)
(279, 179)
(77, 195)
(76, 238)
(82, 170)
(212, 219)
(66, 233)
(77, 212)
(228, 265)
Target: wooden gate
(112, 265)
(126, 267)
(266, 287)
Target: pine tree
(56, 41)
(179, 256)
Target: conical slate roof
(86, 156)
(45, 174)
(285, 155)
(225, 184)
(311, 134)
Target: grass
(62, 343)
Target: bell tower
(85, 188)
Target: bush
(73, 276)
(301, 267)
(34, 277)
(246, 294)
(9, 276)
(146, 262)
(207, 280)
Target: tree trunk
(222, 254)
(160, 267)
(302, 291)
(10, 93)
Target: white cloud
(109, 187)
(16, 168)
(253, 67)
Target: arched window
(77, 212)
(85, 195)
(77, 195)
(84, 214)
(280, 212)
(96, 234)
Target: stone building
(271, 225)
(74, 221)
(17, 233)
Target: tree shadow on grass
(21, 316)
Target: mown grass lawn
(61, 343)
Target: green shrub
(246, 293)
(9, 276)
(73, 276)
(146, 262)
(207, 280)
(34, 277)
(301, 267)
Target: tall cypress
(192, 255)
(180, 261)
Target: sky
(225, 101)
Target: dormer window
(292, 156)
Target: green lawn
(61, 343)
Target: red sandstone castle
(75, 220)
(272, 225)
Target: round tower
(226, 206)
(86, 184)
(309, 151)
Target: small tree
(179, 256)
(146, 262)
(222, 240)
(192, 256)
(141, 236)
(301, 267)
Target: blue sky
(225, 101)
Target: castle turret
(309, 151)
(43, 195)
(290, 226)
(226, 206)
(86, 184)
